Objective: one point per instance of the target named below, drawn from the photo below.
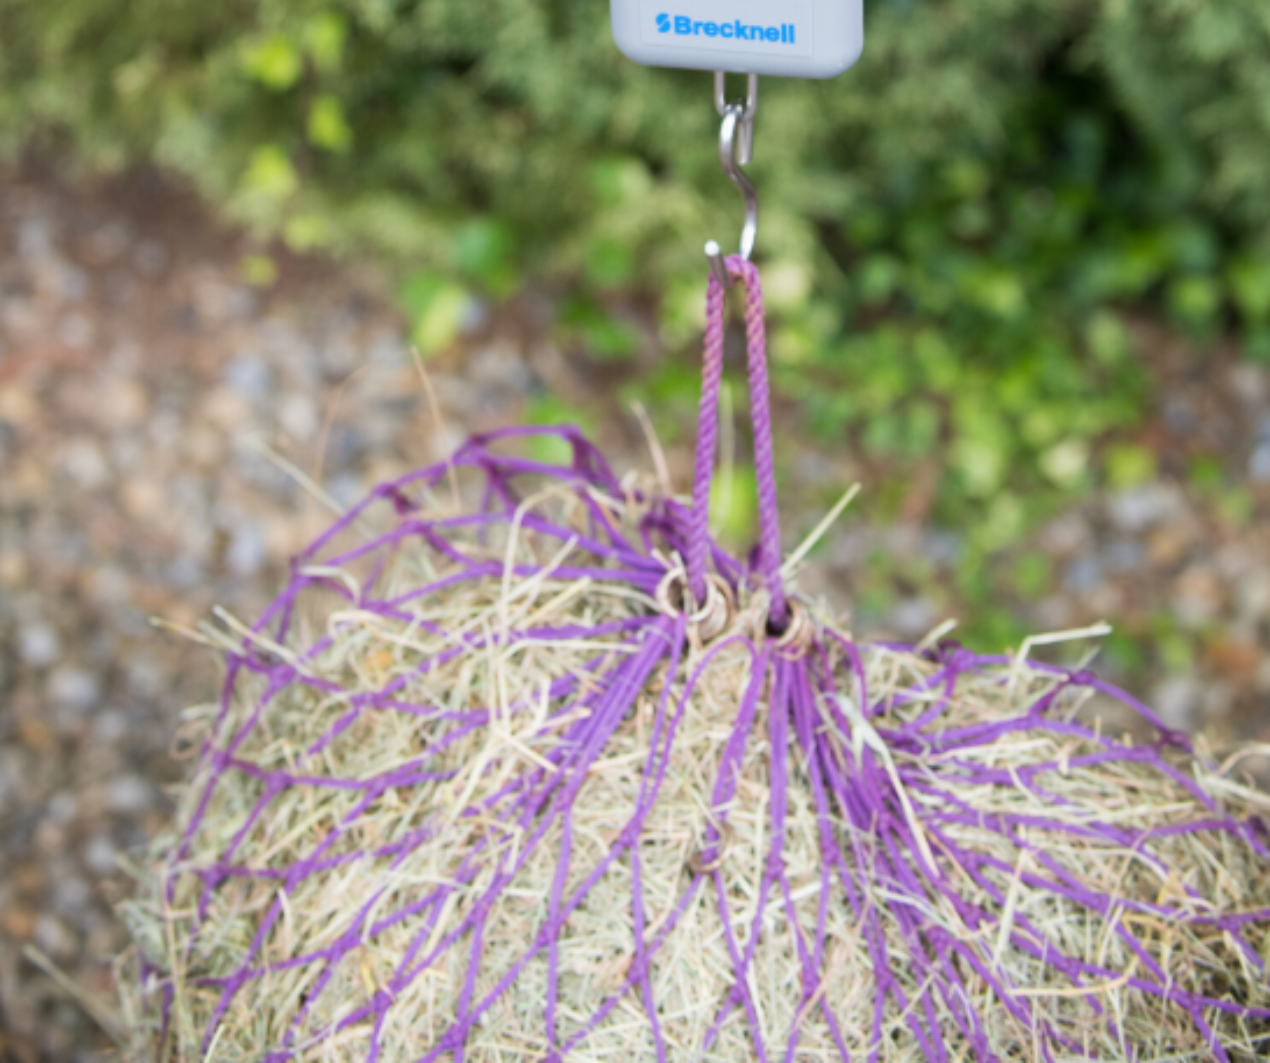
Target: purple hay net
(863, 820)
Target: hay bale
(473, 792)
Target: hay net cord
(1012, 883)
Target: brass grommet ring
(697, 863)
(797, 638)
(713, 618)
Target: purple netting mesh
(476, 790)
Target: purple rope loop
(769, 557)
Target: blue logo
(682, 26)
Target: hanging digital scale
(785, 38)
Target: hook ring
(736, 148)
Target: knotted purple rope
(769, 559)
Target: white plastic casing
(786, 38)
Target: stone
(71, 894)
(1171, 542)
(1197, 596)
(248, 549)
(1259, 463)
(1067, 535)
(83, 462)
(100, 855)
(38, 644)
(1140, 508)
(249, 377)
(1124, 556)
(63, 808)
(914, 617)
(34, 240)
(1176, 701)
(144, 500)
(298, 416)
(75, 330)
(1248, 382)
(1083, 575)
(1252, 595)
(151, 258)
(107, 243)
(1054, 614)
(123, 403)
(128, 795)
(73, 688)
(54, 936)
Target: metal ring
(801, 632)
(700, 866)
(713, 618)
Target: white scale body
(785, 38)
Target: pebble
(34, 240)
(128, 795)
(249, 377)
(100, 855)
(75, 331)
(83, 462)
(1252, 595)
(1067, 535)
(108, 242)
(1083, 575)
(1124, 556)
(39, 645)
(298, 416)
(914, 617)
(1248, 382)
(74, 688)
(53, 936)
(151, 258)
(1141, 508)
(1197, 597)
(1259, 463)
(1176, 701)
(248, 548)
(63, 808)
(70, 894)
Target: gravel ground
(144, 388)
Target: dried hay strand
(472, 793)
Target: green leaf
(324, 37)
(270, 175)
(274, 61)
(602, 335)
(1109, 341)
(327, 128)
(611, 264)
(260, 271)
(1032, 574)
(307, 232)
(1128, 466)
(1249, 279)
(548, 410)
(1066, 463)
(734, 506)
(1196, 300)
(438, 308)
(484, 249)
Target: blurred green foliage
(954, 233)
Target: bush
(952, 231)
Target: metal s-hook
(736, 149)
